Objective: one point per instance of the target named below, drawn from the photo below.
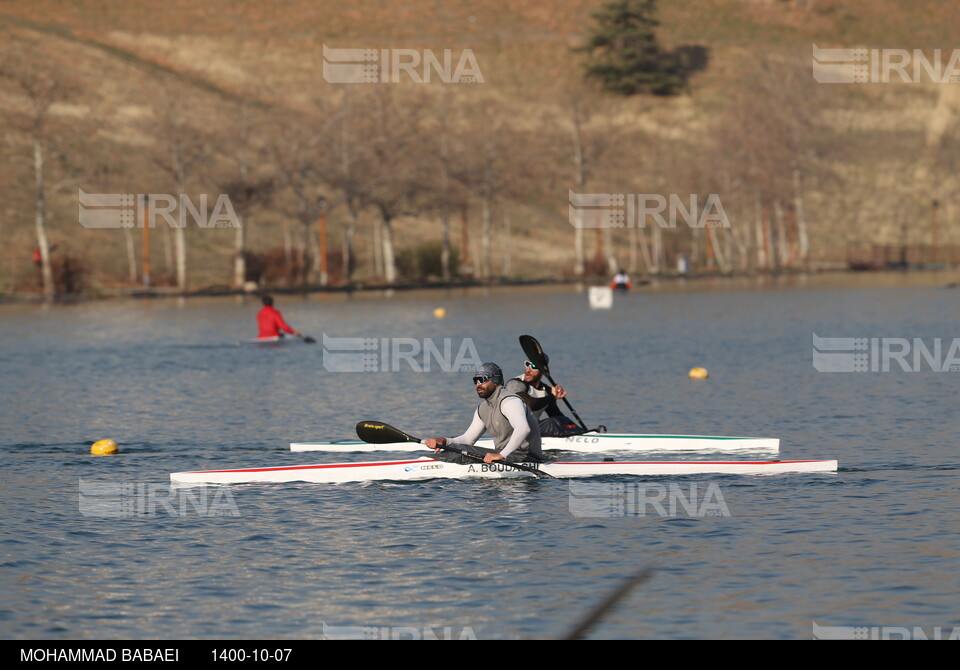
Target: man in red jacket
(271, 322)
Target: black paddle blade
(533, 351)
(378, 432)
(309, 340)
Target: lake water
(875, 545)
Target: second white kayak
(586, 443)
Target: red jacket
(271, 323)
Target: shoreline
(945, 277)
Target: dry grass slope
(221, 55)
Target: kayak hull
(428, 468)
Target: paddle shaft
(377, 432)
(572, 410)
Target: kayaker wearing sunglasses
(539, 396)
(515, 432)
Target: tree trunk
(445, 203)
(131, 255)
(803, 240)
(657, 249)
(486, 269)
(782, 255)
(239, 262)
(445, 245)
(46, 270)
(718, 253)
(181, 241)
(348, 243)
(579, 265)
(505, 244)
(377, 248)
(389, 259)
(645, 248)
(46, 267)
(466, 263)
(180, 233)
(608, 251)
(760, 230)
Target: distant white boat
(601, 297)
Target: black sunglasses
(480, 380)
(530, 365)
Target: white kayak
(428, 468)
(587, 443)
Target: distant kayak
(272, 340)
(280, 339)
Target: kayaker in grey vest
(515, 432)
(539, 396)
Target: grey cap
(491, 371)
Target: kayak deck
(428, 468)
(591, 442)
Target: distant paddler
(621, 281)
(271, 322)
(515, 432)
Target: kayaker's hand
(435, 443)
(490, 458)
(558, 392)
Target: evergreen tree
(627, 58)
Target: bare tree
(247, 187)
(296, 155)
(345, 169)
(591, 137)
(397, 169)
(185, 148)
(44, 85)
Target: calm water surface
(877, 544)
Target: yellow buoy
(103, 447)
(699, 373)
(439, 312)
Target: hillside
(867, 160)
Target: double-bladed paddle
(377, 432)
(534, 353)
